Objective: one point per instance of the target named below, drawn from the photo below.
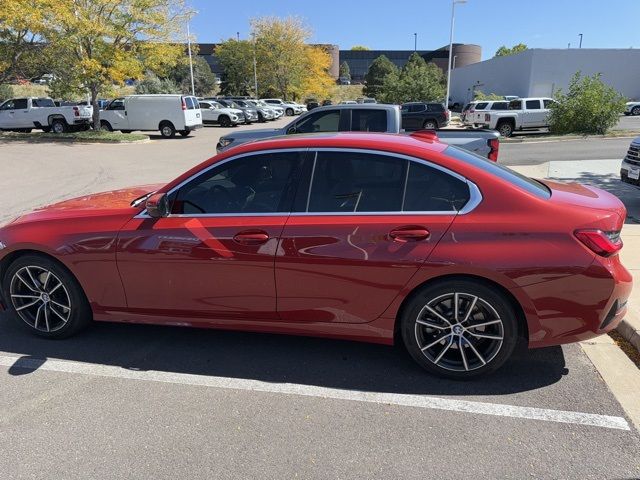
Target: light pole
(415, 42)
(580, 35)
(453, 16)
(255, 66)
(193, 86)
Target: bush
(590, 106)
(480, 95)
(151, 84)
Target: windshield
(217, 105)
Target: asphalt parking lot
(132, 401)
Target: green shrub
(590, 106)
(480, 95)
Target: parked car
(475, 116)
(348, 102)
(630, 169)
(344, 81)
(523, 114)
(217, 114)
(364, 118)
(249, 112)
(265, 113)
(632, 108)
(101, 103)
(376, 238)
(327, 102)
(277, 109)
(312, 103)
(465, 114)
(289, 109)
(424, 115)
(167, 113)
(366, 100)
(25, 114)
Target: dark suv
(424, 115)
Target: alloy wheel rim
(57, 128)
(505, 130)
(40, 298)
(166, 131)
(459, 332)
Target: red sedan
(369, 237)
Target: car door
(213, 256)
(534, 115)
(14, 114)
(116, 114)
(7, 114)
(363, 223)
(207, 110)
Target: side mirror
(291, 130)
(157, 205)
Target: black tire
(505, 128)
(185, 133)
(430, 125)
(59, 126)
(104, 125)
(48, 321)
(289, 112)
(448, 358)
(635, 111)
(167, 130)
(126, 131)
(224, 121)
(261, 118)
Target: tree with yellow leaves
(316, 81)
(105, 42)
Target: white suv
(290, 108)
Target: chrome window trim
(475, 195)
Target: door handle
(409, 233)
(251, 237)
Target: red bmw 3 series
(370, 237)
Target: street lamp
(453, 16)
(255, 66)
(415, 42)
(580, 35)
(193, 86)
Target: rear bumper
(190, 128)
(624, 174)
(579, 307)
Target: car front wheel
(45, 297)
(635, 111)
(459, 329)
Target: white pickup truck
(522, 114)
(25, 114)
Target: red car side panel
(347, 268)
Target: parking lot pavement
(132, 401)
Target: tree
(151, 84)
(104, 42)
(504, 51)
(417, 81)
(345, 71)
(379, 69)
(590, 106)
(204, 80)
(360, 48)
(316, 81)
(22, 53)
(236, 59)
(281, 49)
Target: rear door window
(533, 104)
(417, 108)
(345, 182)
(515, 105)
(327, 121)
(482, 106)
(432, 190)
(20, 103)
(368, 120)
(500, 106)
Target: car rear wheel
(505, 129)
(289, 112)
(429, 125)
(635, 111)
(459, 329)
(167, 130)
(58, 126)
(45, 297)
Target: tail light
(76, 112)
(494, 147)
(446, 114)
(184, 104)
(487, 117)
(472, 111)
(599, 242)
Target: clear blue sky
(390, 24)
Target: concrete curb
(629, 328)
(565, 138)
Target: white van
(167, 113)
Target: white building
(541, 72)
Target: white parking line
(418, 401)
